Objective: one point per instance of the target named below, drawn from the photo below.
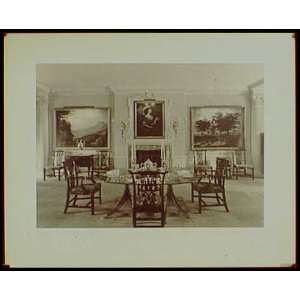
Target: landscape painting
(87, 126)
(217, 127)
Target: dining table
(171, 180)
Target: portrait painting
(217, 127)
(149, 119)
(89, 127)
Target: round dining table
(170, 180)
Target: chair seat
(54, 167)
(150, 209)
(244, 166)
(86, 189)
(205, 187)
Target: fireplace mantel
(150, 147)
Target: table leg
(172, 201)
(126, 198)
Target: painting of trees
(217, 127)
(227, 122)
(202, 125)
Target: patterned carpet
(244, 198)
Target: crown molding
(186, 91)
(218, 92)
(80, 91)
(42, 93)
(256, 84)
(42, 87)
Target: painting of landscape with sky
(91, 125)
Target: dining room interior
(121, 145)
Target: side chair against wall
(149, 203)
(240, 165)
(56, 165)
(224, 165)
(80, 188)
(210, 187)
(201, 164)
(102, 163)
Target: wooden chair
(80, 188)
(224, 166)
(84, 164)
(210, 186)
(201, 164)
(240, 165)
(102, 163)
(149, 205)
(56, 165)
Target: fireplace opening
(153, 155)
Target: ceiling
(168, 76)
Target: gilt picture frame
(217, 127)
(90, 125)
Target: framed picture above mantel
(217, 127)
(149, 119)
(86, 126)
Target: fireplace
(140, 153)
(153, 155)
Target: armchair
(210, 187)
(80, 188)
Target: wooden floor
(244, 198)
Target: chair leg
(217, 197)
(224, 200)
(134, 218)
(200, 204)
(100, 195)
(75, 199)
(252, 173)
(67, 203)
(192, 192)
(44, 174)
(58, 174)
(92, 203)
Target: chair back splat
(149, 205)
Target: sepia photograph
(188, 157)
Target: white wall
(178, 109)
